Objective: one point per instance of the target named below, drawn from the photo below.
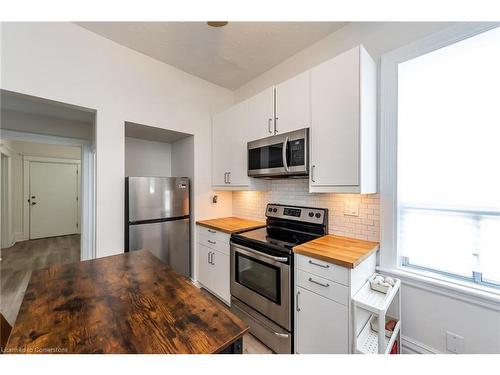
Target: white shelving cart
(377, 304)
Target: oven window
(266, 157)
(258, 276)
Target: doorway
(52, 166)
(4, 200)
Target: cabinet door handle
(319, 265)
(297, 301)
(225, 177)
(212, 242)
(212, 231)
(213, 259)
(312, 173)
(318, 283)
(269, 123)
(208, 260)
(228, 177)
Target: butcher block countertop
(127, 303)
(343, 251)
(231, 224)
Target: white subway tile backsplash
(366, 226)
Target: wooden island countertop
(343, 251)
(127, 303)
(231, 224)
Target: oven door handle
(285, 147)
(260, 254)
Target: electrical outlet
(454, 343)
(351, 208)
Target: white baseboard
(410, 346)
(18, 237)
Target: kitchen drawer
(209, 232)
(326, 288)
(215, 243)
(323, 269)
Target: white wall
(46, 125)
(145, 158)
(183, 166)
(377, 37)
(66, 63)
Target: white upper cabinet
(343, 124)
(229, 150)
(293, 110)
(261, 115)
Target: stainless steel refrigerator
(157, 219)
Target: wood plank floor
(23, 258)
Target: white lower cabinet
(213, 263)
(322, 324)
(323, 293)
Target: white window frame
(390, 261)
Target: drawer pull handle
(212, 231)
(318, 283)
(297, 301)
(212, 242)
(319, 265)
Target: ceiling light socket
(217, 23)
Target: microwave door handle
(285, 147)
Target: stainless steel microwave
(283, 155)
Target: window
(448, 160)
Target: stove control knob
(318, 215)
(270, 209)
(311, 214)
(275, 209)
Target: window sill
(476, 294)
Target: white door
(229, 147)
(204, 266)
(293, 109)
(335, 121)
(261, 115)
(53, 199)
(321, 325)
(220, 275)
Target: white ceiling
(39, 106)
(151, 133)
(229, 56)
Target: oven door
(262, 281)
(279, 155)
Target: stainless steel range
(262, 271)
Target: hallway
(20, 260)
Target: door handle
(225, 177)
(213, 259)
(285, 147)
(228, 177)
(212, 242)
(208, 260)
(33, 203)
(319, 265)
(297, 301)
(212, 231)
(269, 123)
(312, 173)
(318, 283)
